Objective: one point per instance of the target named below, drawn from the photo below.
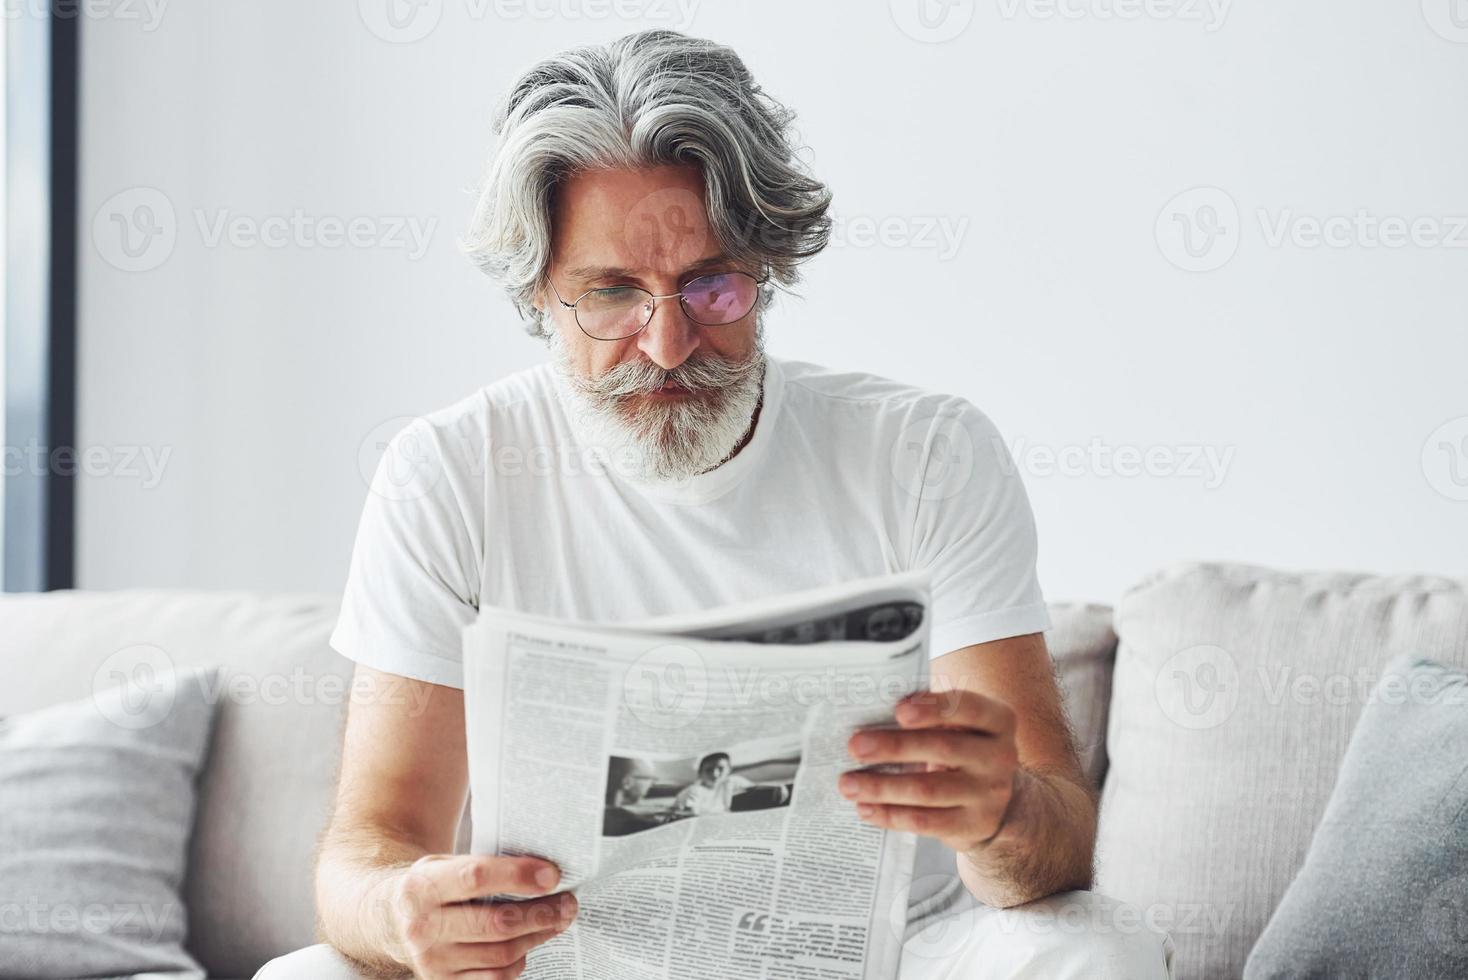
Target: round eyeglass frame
(653, 306)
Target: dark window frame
(41, 93)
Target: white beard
(663, 441)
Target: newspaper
(682, 773)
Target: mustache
(706, 373)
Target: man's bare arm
(1047, 840)
(389, 892)
(402, 788)
(1003, 789)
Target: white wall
(1053, 137)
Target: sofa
(1214, 728)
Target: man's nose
(669, 337)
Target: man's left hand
(961, 748)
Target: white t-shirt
(699, 799)
(492, 501)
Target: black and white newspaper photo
(644, 793)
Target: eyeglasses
(619, 312)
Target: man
(643, 204)
(719, 790)
(713, 790)
(628, 781)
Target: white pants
(1071, 936)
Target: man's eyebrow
(587, 273)
(591, 273)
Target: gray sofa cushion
(1384, 889)
(98, 805)
(271, 771)
(1235, 692)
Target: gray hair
(647, 99)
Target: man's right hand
(438, 931)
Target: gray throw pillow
(1384, 888)
(96, 806)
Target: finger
(953, 787)
(508, 973)
(463, 957)
(950, 747)
(460, 877)
(503, 973)
(945, 822)
(956, 708)
(471, 922)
